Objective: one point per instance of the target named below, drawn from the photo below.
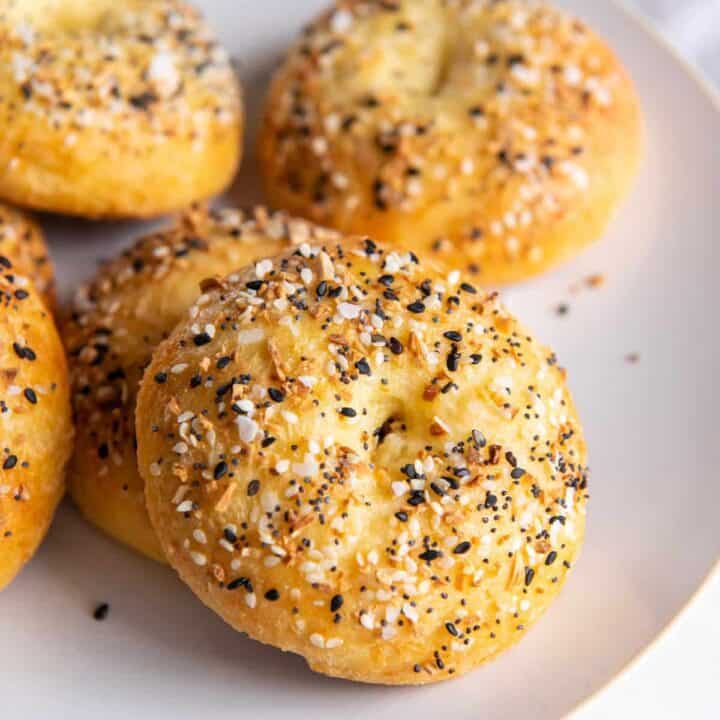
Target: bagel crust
(118, 319)
(497, 135)
(376, 468)
(35, 423)
(113, 109)
(22, 241)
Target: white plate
(651, 426)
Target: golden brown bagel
(500, 135)
(21, 240)
(130, 306)
(113, 109)
(377, 467)
(35, 424)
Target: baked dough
(376, 465)
(495, 135)
(118, 318)
(111, 109)
(35, 423)
(22, 241)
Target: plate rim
(712, 92)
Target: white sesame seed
(410, 612)
(399, 487)
(341, 21)
(263, 268)
(247, 428)
(269, 500)
(349, 311)
(317, 640)
(367, 620)
(200, 536)
(248, 337)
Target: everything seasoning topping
(120, 303)
(34, 418)
(317, 463)
(155, 66)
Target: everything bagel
(113, 109)
(352, 456)
(495, 135)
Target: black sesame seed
(321, 289)
(453, 359)
(452, 335)
(417, 498)
(272, 595)
(462, 548)
(363, 367)
(229, 535)
(348, 412)
(101, 612)
(24, 353)
(223, 362)
(517, 473)
(238, 582)
(468, 288)
(336, 603)
(10, 462)
(161, 378)
(201, 339)
(410, 471)
(396, 347)
(220, 469)
(529, 575)
(416, 307)
(277, 395)
(30, 396)
(551, 558)
(268, 441)
(430, 555)
(401, 516)
(253, 487)
(450, 627)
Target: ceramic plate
(642, 353)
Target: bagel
(114, 109)
(498, 135)
(376, 467)
(21, 240)
(35, 423)
(132, 304)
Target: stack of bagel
(321, 416)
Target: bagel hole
(393, 424)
